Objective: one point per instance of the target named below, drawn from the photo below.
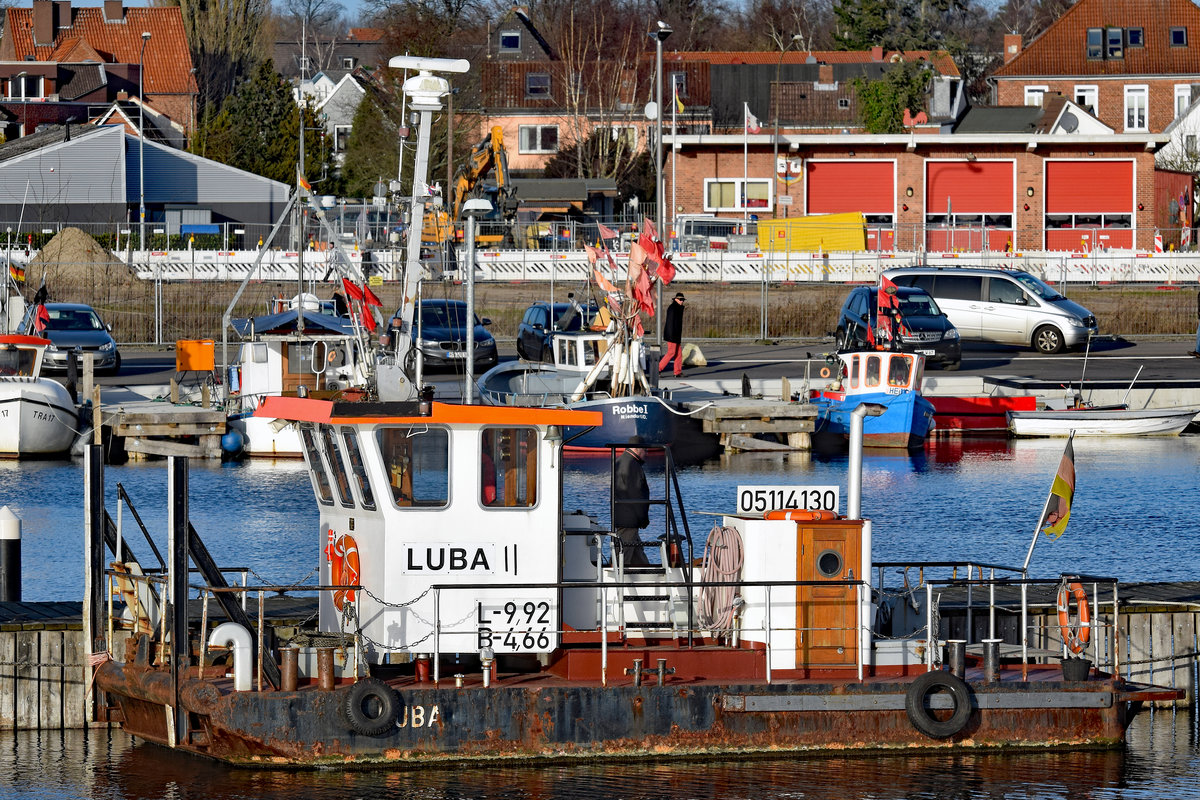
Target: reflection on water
(955, 500)
(1158, 763)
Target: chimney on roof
(122, 95)
(62, 14)
(43, 22)
(1012, 46)
(825, 74)
(877, 54)
(114, 10)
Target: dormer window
(537, 85)
(510, 41)
(1178, 37)
(305, 63)
(348, 63)
(1135, 37)
(1095, 43)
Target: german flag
(16, 272)
(1057, 513)
(304, 184)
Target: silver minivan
(1002, 306)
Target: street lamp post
(660, 33)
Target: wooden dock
(160, 428)
(749, 423)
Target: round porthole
(829, 564)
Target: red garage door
(838, 186)
(1089, 204)
(869, 187)
(968, 205)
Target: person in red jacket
(673, 335)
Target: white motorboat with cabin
(38, 416)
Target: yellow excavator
(444, 226)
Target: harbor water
(1133, 517)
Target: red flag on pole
(352, 291)
(606, 232)
(369, 297)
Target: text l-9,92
(517, 626)
(760, 499)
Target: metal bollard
(10, 556)
(956, 657)
(636, 672)
(325, 668)
(991, 660)
(289, 660)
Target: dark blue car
(442, 335)
(543, 319)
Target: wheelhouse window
(358, 470)
(537, 139)
(417, 462)
(316, 466)
(341, 480)
(899, 371)
(737, 194)
(1136, 100)
(854, 372)
(871, 377)
(537, 85)
(16, 361)
(508, 467)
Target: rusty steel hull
(538, 719)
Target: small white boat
(1101, 422)
(37, 415)
(325, 358)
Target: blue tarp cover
(285, 322)
(199, 228)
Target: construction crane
(442, 227)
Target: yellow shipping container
(815, 233)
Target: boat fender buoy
(800, 514)
(826, 372)
(370, 707)
(919, 713)
(1075, 636)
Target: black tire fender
(919, 713)
(370, 707)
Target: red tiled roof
(168, 64)
(1062, 48)
(940, 59)
(366, 34)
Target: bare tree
(225, 37)
(316, 26)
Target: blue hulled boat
(892, 380)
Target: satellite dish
(1070, 122)
(651, 110)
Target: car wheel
(841, 339)
(1047, 339)
(116, 366)
(521, 351)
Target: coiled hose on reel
(723, 560)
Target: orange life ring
(343, 567)
(825, 372)
(800, 514)
(1076, 636)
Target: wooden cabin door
(827, 611)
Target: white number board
(759, 499)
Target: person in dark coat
(673, 335)
(629, 484)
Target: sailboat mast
(300, 228)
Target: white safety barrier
(715, 266)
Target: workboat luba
(467, 612)
(883, 378)
(1101, 422)
(37, 415)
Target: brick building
(1134, 63)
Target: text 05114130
(760, 499)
